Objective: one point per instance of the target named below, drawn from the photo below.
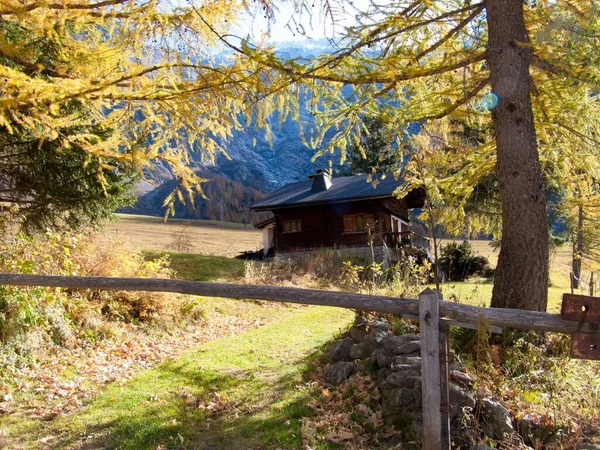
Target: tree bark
(578, 248)
(521, 279)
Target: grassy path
(238, 392)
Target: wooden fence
(434, 315)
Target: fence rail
(429, 309)
(496, 317)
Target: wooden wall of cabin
(323, 225)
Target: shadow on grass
(202, 409)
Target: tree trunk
(521, 279)
(578, 248)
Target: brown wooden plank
(585, 345)
(581, 308)
(500, 317)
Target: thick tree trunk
(521, 279)
(578, 249)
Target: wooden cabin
(344, 212)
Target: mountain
(255, 165)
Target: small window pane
(360, 222)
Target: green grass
(253, 380)
(479, 292)
(189, 266)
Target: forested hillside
(233, 197)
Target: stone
(359, 333)
(384, 357)
(338, 372)
(409, 347)
(362, 350)
(393, 342)
(340, 350)
(381, 324)
(405, 362)
(461, 378)
(404, 379)
(381, 379)
(533, 432)
(497, 420)
(587, 446)
(460, 399)
(377, 336)
(455, 366)
(399, 398)
(361, 320)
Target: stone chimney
(321, 181)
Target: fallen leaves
(64, 379)
(349, 415)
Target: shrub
(31, 317)
(458, 264)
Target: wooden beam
(430, 369)
(505, 318)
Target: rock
(381, 324)
(362, 350)
(340, 350)
(587, 446)
(377, 336)
(384, 357)
(401, 362)
(405, 362)
(497, 420)
(409, 347)
(532, 431)
(461, 378)
(381, 379)
(455, 366)
(393, 342)
(359, 333)
(404, 379)
(361, 320)
(459, 399)
(398, 398)
(338, 372)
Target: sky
(311, 18)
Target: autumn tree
(146, 75)
(528, 68)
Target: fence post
(591, 284)
(429, 322)
(445, 406)
(572, 280)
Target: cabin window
(292, 226)
(358, 223)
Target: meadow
(206, 237)
(479, 291)
(212, 245)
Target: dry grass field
(479, 292)
(201, 236)
(210, 238)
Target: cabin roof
(342, 189)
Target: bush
(457, 263)
(32, 317)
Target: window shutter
(348, 224)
